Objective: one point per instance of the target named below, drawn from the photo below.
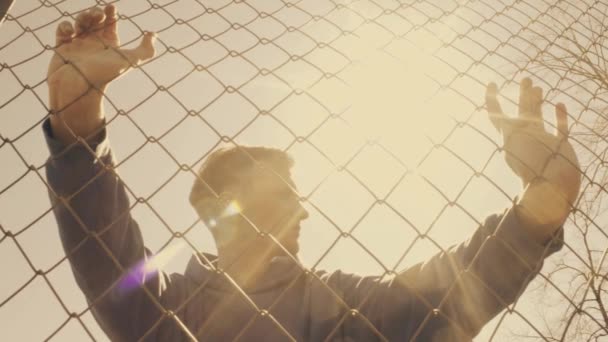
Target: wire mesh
(381, 104)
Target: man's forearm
(100, 237)
(88, 198)
(472, 282)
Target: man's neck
(244, 267)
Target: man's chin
(292, 247)
(289, 241)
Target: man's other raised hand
(546, 163)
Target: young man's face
(271, 204)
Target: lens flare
(146, 270)
(233, 208)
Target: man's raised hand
(87, 58)
(546, 163)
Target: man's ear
(213, 209)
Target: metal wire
(306, 52)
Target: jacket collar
(280, 271)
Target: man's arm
(451, 296)
(100, 238)
(492, 269)
(461, 289)
(102, 241)
(471, 283)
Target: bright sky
(396, 101)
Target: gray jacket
(447, 298)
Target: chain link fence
(381, 104)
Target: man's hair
(233, 166)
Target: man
(256, 289)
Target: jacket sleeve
(102, 241)
(454, 294)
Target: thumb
(144, 51)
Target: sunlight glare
(145, 270)
(233, 208)
(389, 95)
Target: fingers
(530, 103)
(525, 98)
(64, 33)
(561, 115)
(82, 22)
(536, 104)
(493, 106)
(93, 20)
(111, 20)
(98, 18)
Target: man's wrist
(542, 208)
(67, 130)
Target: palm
(530, 151)
(88, 57)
